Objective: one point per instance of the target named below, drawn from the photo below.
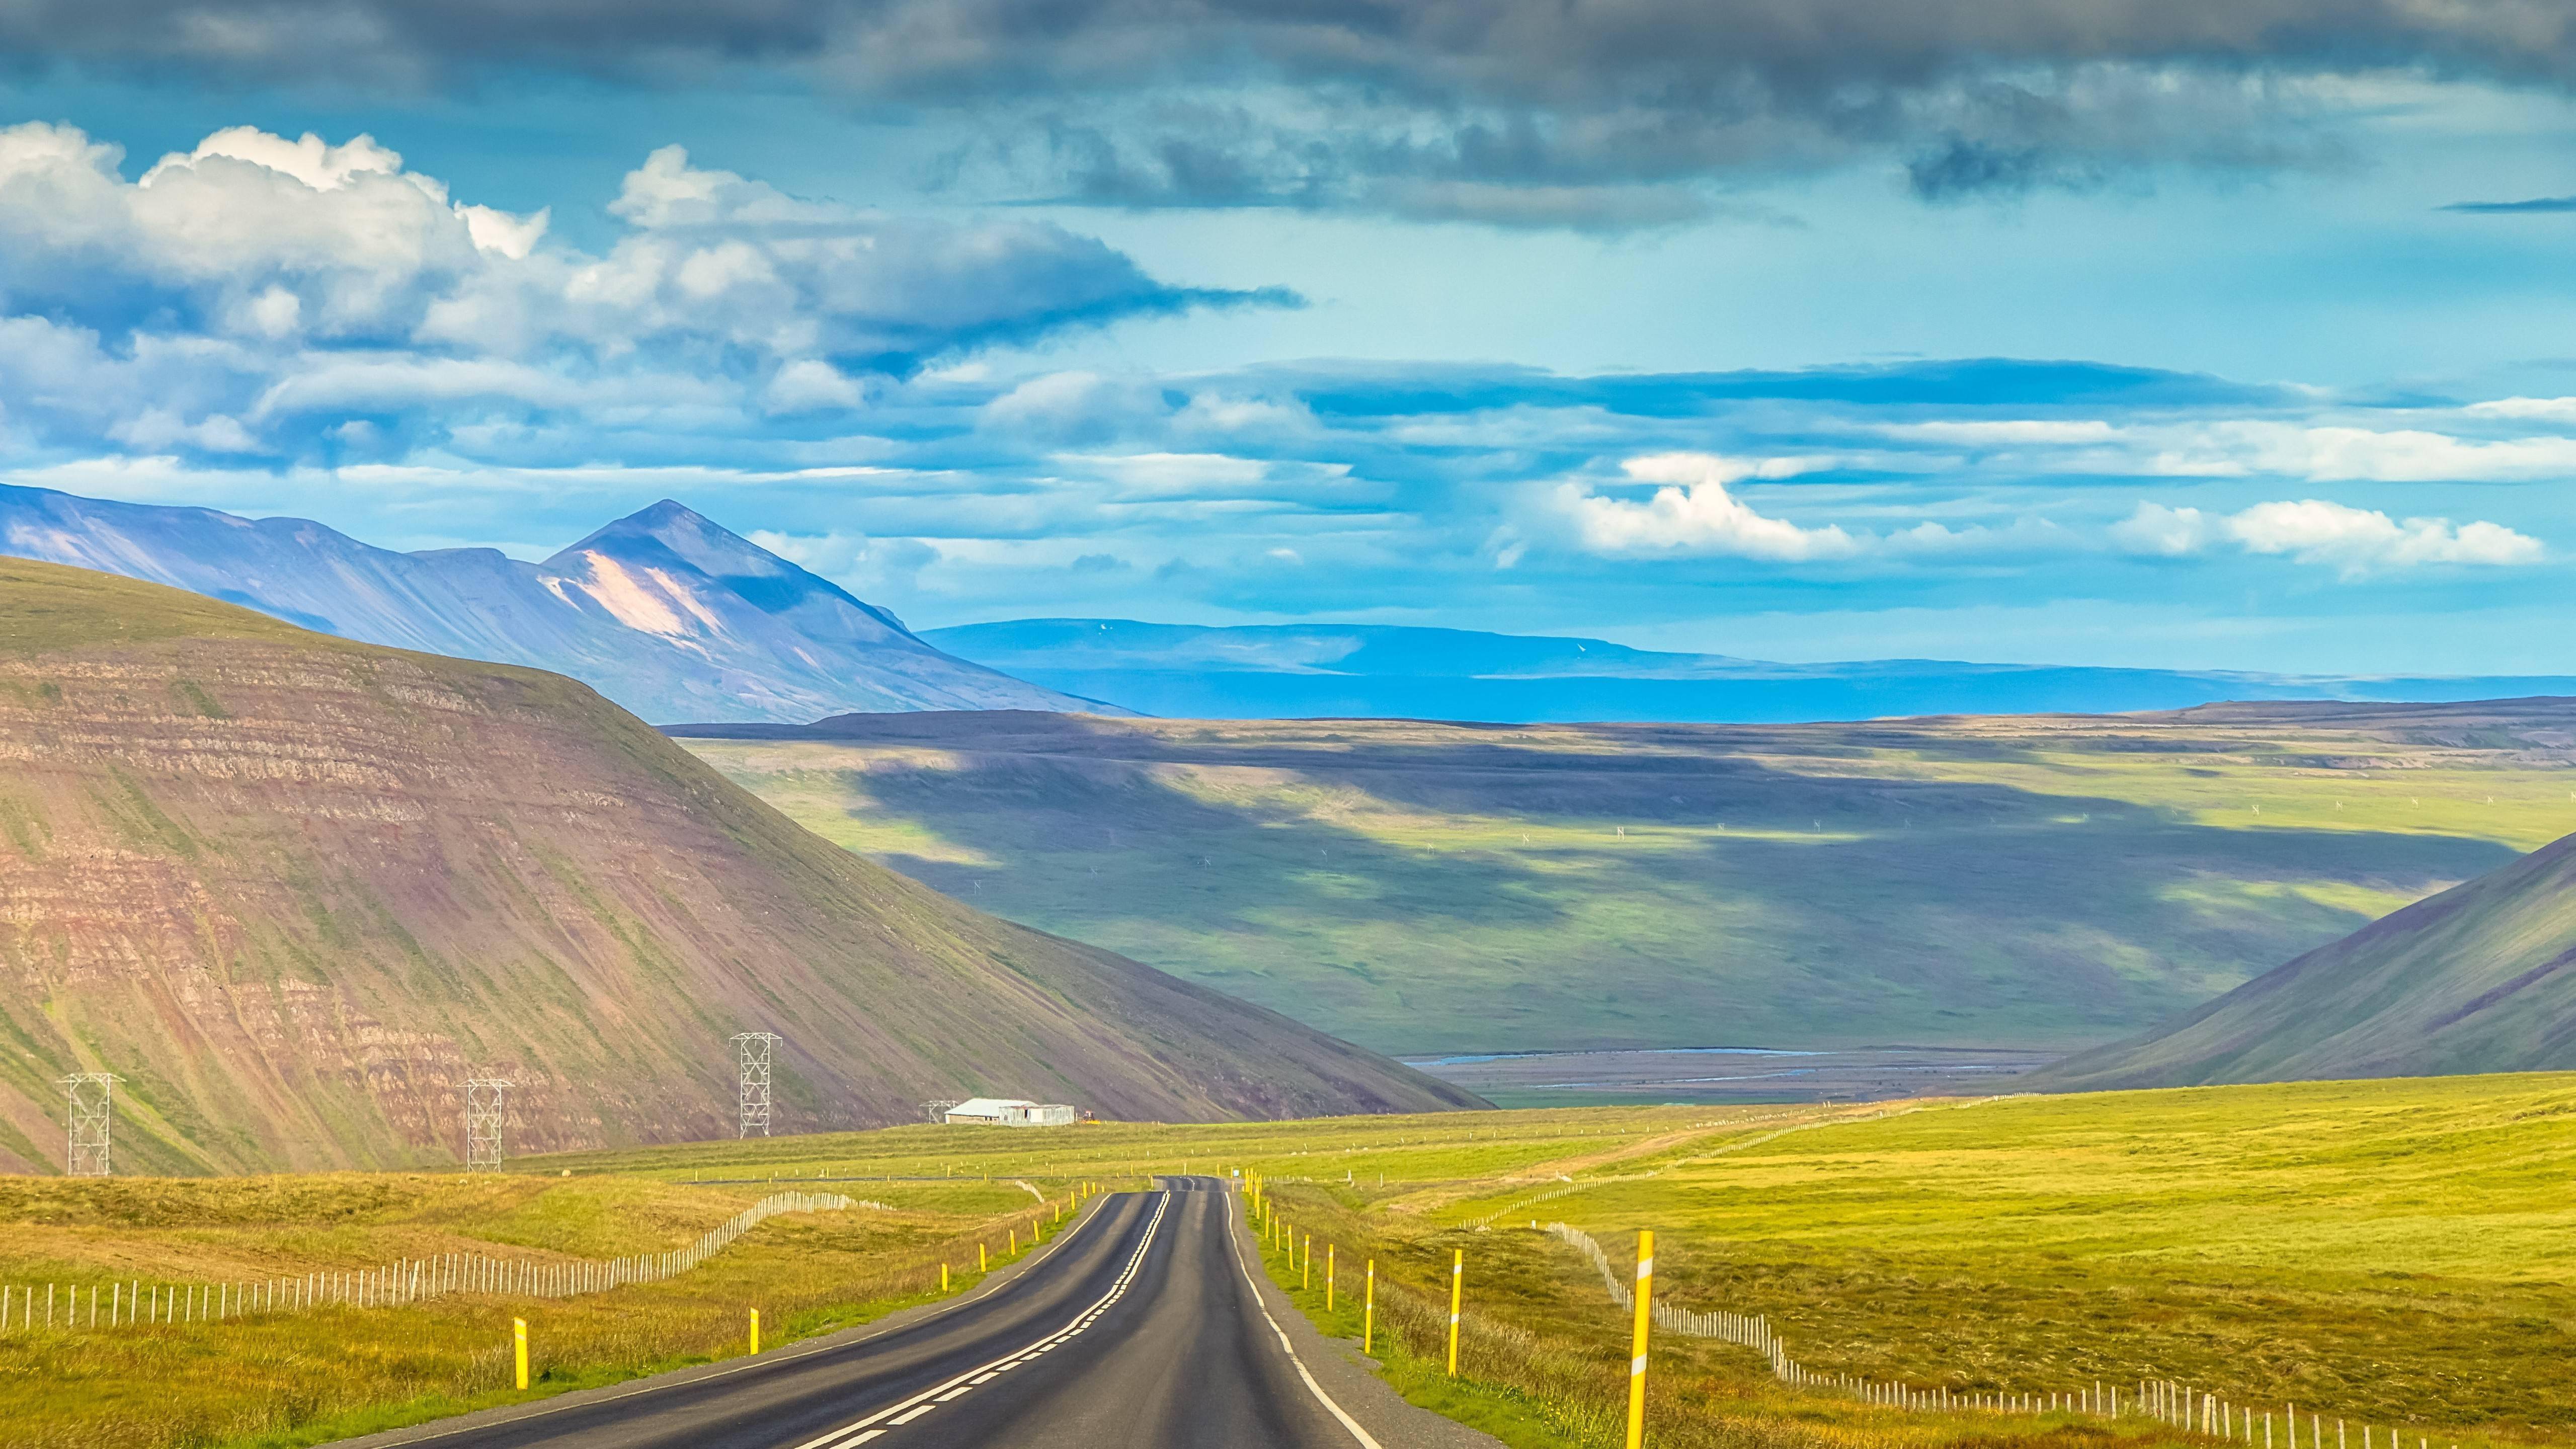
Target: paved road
(1141, 1327)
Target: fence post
(1457, 1290)
(1637, 1341)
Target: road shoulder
(1000, 1278)
(1351, 1379)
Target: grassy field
(302, 1378)
(1430, 888)
(2389, 1253)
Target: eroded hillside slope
(2481, 978)
(293, 888)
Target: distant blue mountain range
(682, 621)
(662, 611)
(1383, 671)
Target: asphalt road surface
(1139, 1327)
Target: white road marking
(1299, 1364)
(922, 1403)
(663, 1383)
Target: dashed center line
(849, 1436)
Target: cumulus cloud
(1693, 513)
(262, 294)
(2355, 541)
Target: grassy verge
(304, 1378)
(2386, 1252)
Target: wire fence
(137, 1303)
(2180, 1406)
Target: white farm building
(1011, 1112)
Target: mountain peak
(670, 513)
(671, 535)
(674, 529)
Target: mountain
(294, 888)
(2480, 978)
(664, 612)
(1378, 671)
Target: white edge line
(865, 1332)
(925, 1397)
(1299, 1364)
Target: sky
(2197, 333)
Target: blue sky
(2021, 329)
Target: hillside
(294, 888)
(2041, 882)
(663, 611)
(1313, 671)
(2481, 978)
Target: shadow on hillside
(1750, 899)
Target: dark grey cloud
(1528, 112)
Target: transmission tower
(751, 1054)
(483, 1123)
(93, 1110)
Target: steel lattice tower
(93, 1111)
(483, 1123)
(751, 1054)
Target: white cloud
(2545, 409)
(291, 250)
(2313, 452)
(2355, 541)
(811, 385)
(2009, 432)
(1694, 513)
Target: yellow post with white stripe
(1457, 1291)
(1637, 1349)
(755, 1330)
(519, 1349)
(1368, 1312)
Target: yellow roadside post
(1457, 1288)
(755, 1330)
(1368, 1310)
(1328, 1277)
(1015, 1244)
(943, 1277)
(1306, 1274)
(1637, 1349)
(519, 1349)
(982, 1263)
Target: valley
(2042, 883)
(295, 890)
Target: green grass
(304, 1378)
(52, 607)
(1430, 888)
(2390, 1252)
